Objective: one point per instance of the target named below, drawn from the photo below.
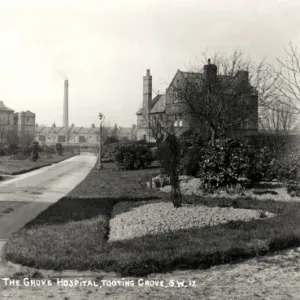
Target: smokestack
(66, 109)
(147, 91)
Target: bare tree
(26, 139)
(223, 101)
(12, 137)
(279, 118)
(288, 83)
(155, 125)
(158, 125)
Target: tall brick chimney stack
(66, 108)
(210, 70)
(147, 91)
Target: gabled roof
(94, 130)
(56, 130)
(5, 108)
(158, 105)
(74, 129)
(43, 130)
(140, 111)
(85, 130)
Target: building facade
(21, 125)
(166, 110)
(82, 136)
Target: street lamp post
(101, 117)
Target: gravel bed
(191, 186)
(130, 220)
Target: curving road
(27, 195)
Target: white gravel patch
(191, 186)
(130, 220)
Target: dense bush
(59, 148)
(191, 139)
(3, 152)
(26, 151)
(169, 153)
(262, 164)
(111, 140)
(154, 153)
(191, 160)
(256, 158)
(293, 189)
(109, 151)
(224, 164)
(287, 166)
(132, 156)
(49, 149)
(35, 151)
(12, 149)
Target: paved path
(38, 189)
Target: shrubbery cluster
(59, 148)
(132, 156)
(224, 164)
(231, 161)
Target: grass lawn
(10, 166)
(73, 233)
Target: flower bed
(130, 220)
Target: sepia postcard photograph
(149, 149)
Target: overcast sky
(103, 47)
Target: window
(61, 139)
(180, 120)
(42, 138)
(176, 96)
(176, 122)
(82, 139)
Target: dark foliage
(132, 156)
(59, 148)
(35, 151)
(224, 164)
(49, 149)
(191, 160)
(111, 140)
(169, 153)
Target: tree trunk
(213, 137)
(175, 190)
